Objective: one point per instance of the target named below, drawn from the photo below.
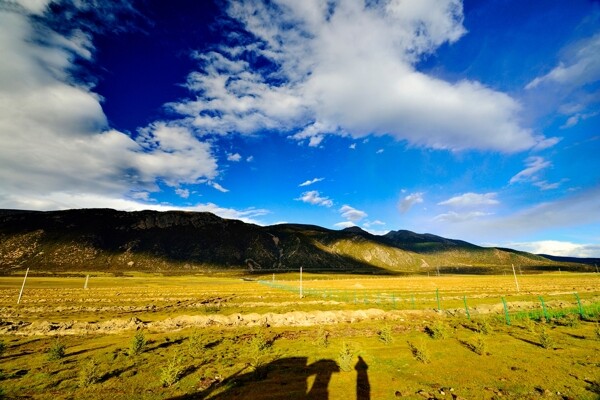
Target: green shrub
(346, 357)
(172, 372)
(259, 350)
(545, 339)
(196, 343)
(438, 330)
(484, 326)
(138, 343)
(56, 351)
(529, 324)
(479, 345)
(385, 334)
(571, 320)
(419, 351)
(322, 337)
(89, 373)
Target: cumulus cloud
(471, 200)
(183, 193)
(54, 136)
(344, 224)
(235, 157)
(310, 182)
(409, 201)
(347, 68)
(314, 197)
(351, 213)
(533, 166)
(557, 248)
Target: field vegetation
(149, 336)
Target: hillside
(117, 241)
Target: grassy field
(253, 337)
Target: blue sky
(472, 120)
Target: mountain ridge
(112, 241)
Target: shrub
(385, 334)
(598, 331)
(56, 351)
(545, 339)
(258, 350)
(323, 337)
(438, 330)
(529, 324)
(571, 320)
(138, 343)
(2, 347)
(479, 345)
(419, 351)
(195, 343)
(346, 357)
(484, 326)
(89, 373)
(172, 372)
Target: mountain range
(197, 242)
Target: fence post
(506, 316)
(466, 307)
(437, 295)
(581, 312)
(23, 286)
(393, 300)
(544, 308)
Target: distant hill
(589, 261)
(176, 241)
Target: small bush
(385, 335)
(322, 337)
(56, 351)
(195, 343)
(419, 351)
(571, 320)
(484, 326)
(346, 357)
(438, 330)
(88, 374)
(529, 324)
(171, 373)
(138, 343)
(545, 339)
(479, 345)
(258, 350)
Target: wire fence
(523, 306)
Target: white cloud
(236, 157)
(454, 217)
(557, 248)
(54, 136)
(377, 222)
(409, 201)
(250, 159)
(314, 197)
(471, 200)
(533, 166)
(582, 67)
(344, 224)
(379, 151)
(183, 193)
(352, 146)
(218, 187)
(310, 182)
(351, 213)
(545, 185)
(64, 201)
(348, 68)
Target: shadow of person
(285, 378)
(363, 387)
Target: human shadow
(286, 378)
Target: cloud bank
(347, 68)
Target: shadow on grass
(285, 378)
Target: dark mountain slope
(109, 240)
